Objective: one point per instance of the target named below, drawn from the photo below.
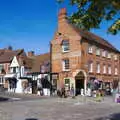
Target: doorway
(79, 82)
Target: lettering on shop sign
(71, 54)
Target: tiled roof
(7, 55)
(39, 60)
(94, 38)
(26, 62)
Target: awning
(10, 76)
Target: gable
(14, 62)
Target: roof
(39, 60)
(90, 37)
(26, 62)
(94, 38)
(6, 55)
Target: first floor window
(66, 65)
(90, 67)
(104, 69)
(116, 71)
(109, 70)
(98, 68)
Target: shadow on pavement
(115, 116)
(2, 99)
(31, 119)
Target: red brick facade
(78, 54)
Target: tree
(91, 13)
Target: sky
(31, 24)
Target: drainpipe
(50, 68)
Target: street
(79, 108)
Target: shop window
(67, 83)
(1, 80)
(65, 46)
(1, 67)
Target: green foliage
(90, 14)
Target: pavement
(80, 108)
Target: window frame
(90, 49)
(116, 72)
(98, 67)
(90, 67)
(104, 69)
(109, 70)
(65, 44)
(64, 65)
(97, 51)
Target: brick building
(79, 56)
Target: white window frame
(98, 68)
(64, 66)
(90, 48)
(109, 70)
(90, 68)
(115, 57)
(104, 69)
(109, 55)
(116, 71)
(104, 53)
(64, 46)
(98, 51)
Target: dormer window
(65, 46)
(90, 49)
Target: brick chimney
(30, 54)
(62, 17)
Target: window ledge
(67, 70)
(65, 51)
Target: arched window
(65, 45)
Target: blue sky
(30, 24)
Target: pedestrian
(72, 91)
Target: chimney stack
(62, 14)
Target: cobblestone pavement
(79, 108)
